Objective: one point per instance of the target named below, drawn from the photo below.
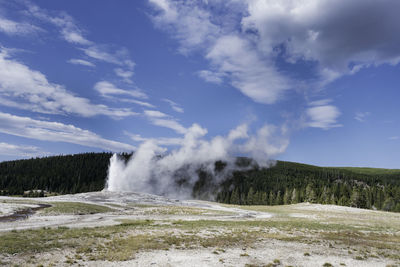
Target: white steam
(152, 170)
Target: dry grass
(75, 208)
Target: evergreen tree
(278, 199)
(271, 198)
(286, 197)
(235, 197)
(250, 197)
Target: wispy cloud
(32, 91)
(20, 150)
(107, 89)
(99, 53)
(134, 101)
(159, 140)
(163, 120)
(71, 32)
(211, 76)
(231, 55)
(394, 137)
(56, 132)
(81, 62)
(361, 116)
(244, 40)
(321, 115)
(117, 56)
(69, 29)
(126, 75)
(17, 28)
(155, 114)
(175, 106)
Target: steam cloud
(152, 170)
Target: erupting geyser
(152, 170)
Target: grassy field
(361, 234)
(75, 208)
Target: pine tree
(271, 198)
(324, 198)
(332, 199)
(279, 199)
(355, 199)
(264, 198)
(286, 197)
(235, 197)
(250, 197)
(310, 194)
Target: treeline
(290, 183)
(61, 174)
(284, 183)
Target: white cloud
(81, 62)
(137, 102)
(231, 54)
(155, 114)
(68, 27)
(321, 102)
(73, 36)
(189, 23)
(124, 74)
(169, 123)
(341, 36)
(361, 116)
(32, 91)
(211, 76)
(17, 28)
(99, 53)
(107, 89)
(56, 132)
(243, 40)
(163, 120)
(394, 137)
(72, 33)
(254, 77)
(324, 116)
(159, 141)
(20, 150)
(175, 106)
(114, 56)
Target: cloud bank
(260, 46)
(57, 132)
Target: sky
(318, 80)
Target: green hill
(284, 183)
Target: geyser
(153, 169)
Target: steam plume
(152, 170)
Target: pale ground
(293, 235)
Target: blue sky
(319, 78)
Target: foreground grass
(122, 242)
(75, 208)
(177, 210)
(370, 238)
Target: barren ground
(133, 229)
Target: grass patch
(177, 210)
(75, 208)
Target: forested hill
(289, 182)
(61, 174)
(285, 183)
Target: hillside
(284, 183)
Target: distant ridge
(285, 183)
